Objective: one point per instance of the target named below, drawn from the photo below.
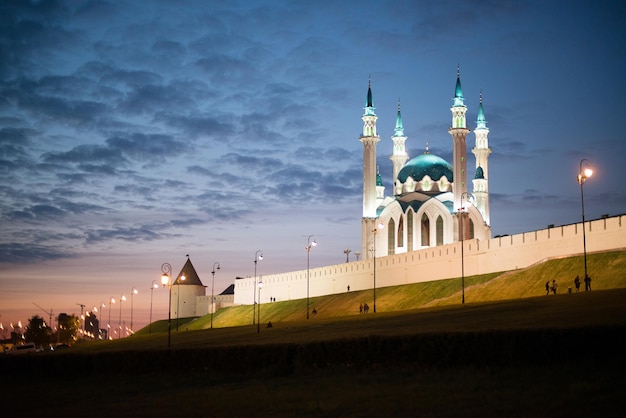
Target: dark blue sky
(134, 133)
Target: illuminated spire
(427, 150)
(458, 92)
(399, 131)
(369, 105)
(481, 122)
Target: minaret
(459, 132)
(481, 150)
(399, 156)
(369, 138)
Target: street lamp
(258, 323)
(584, 173)
(357, 254)
(119, 324)
(154, 286)
(212, 290)
(257, 256)
(462, 231)
(166, 270)
(347, 252)
(380, 226)
(180, 279)
(132, 298)
(109, 337)
(309, 244)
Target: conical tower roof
(191, 277)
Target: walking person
(577, 283)
(587, 283)
(548, 287)
(554, 286)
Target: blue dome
(426, 164)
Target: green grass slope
(608, 271)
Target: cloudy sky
(135, 133)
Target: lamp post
(379, 226)
(119, 324)
(347, 252)
(257, 257)
(357, 254)
(309, 244)
(584, 173)
(109, 337)
(166, 270)
(102, 307)
(212, 290)
(178, 281)
(132, 299)
(258, 323)
(462, 234)
(154, 286)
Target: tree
(68, 328)
(37, 331)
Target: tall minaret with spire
(481, 150)
(399, 156)
(459, 132)
(369, 138)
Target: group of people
(364, 308)
(552, 287)
(587, 283)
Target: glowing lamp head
(165, 279)
(260, 256)
(314, 243)
(588, 172)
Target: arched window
(409, 229)
(471, 229)
(439, 230)
(425, 230)
(391, 242)
(400, 234)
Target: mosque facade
(430, 204)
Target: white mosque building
(430, 198)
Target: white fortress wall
(441, 262)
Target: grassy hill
(608, 271)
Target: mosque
(431, 205)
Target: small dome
(426, 164)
